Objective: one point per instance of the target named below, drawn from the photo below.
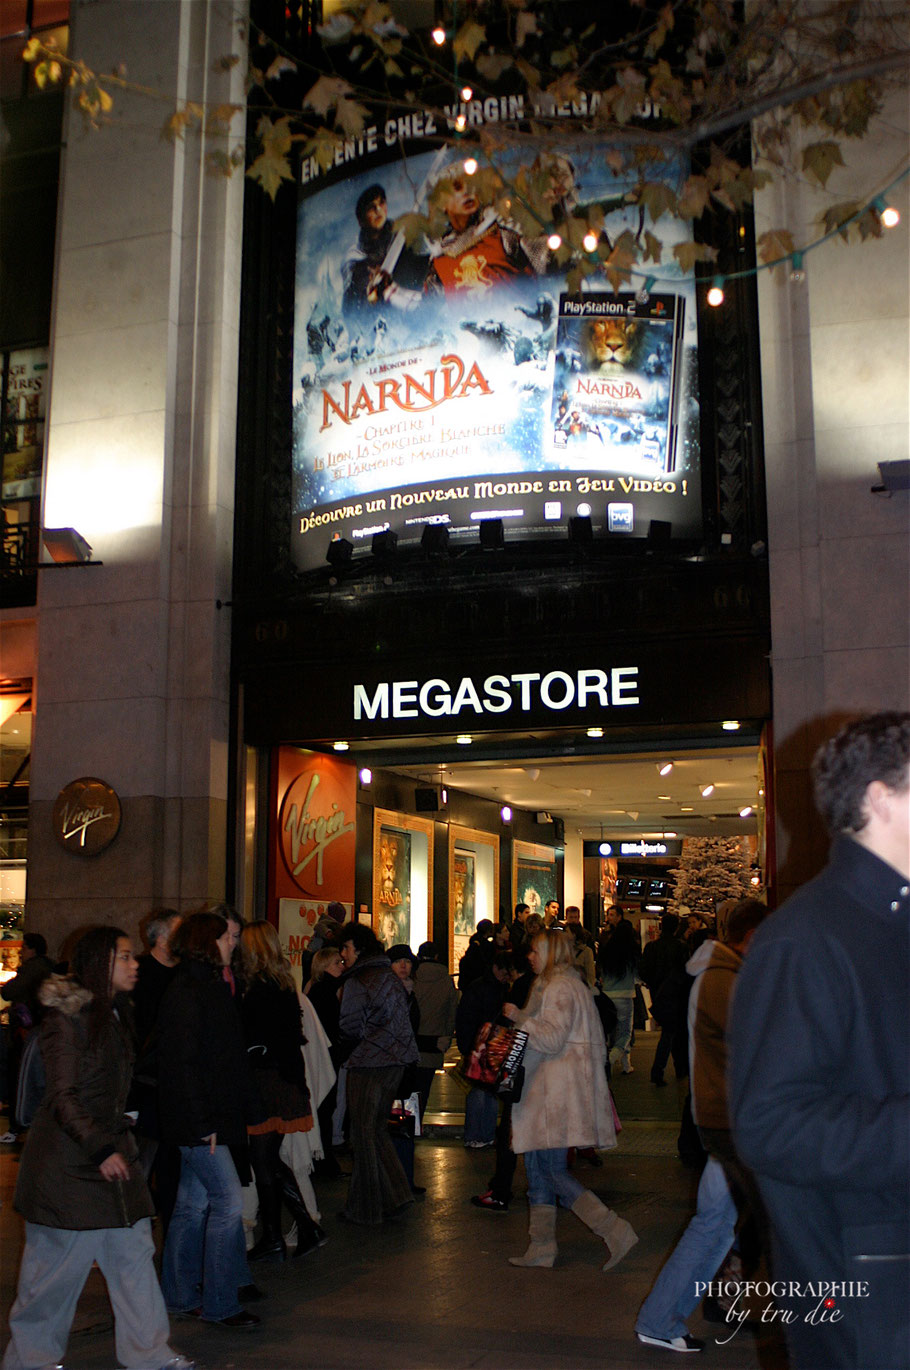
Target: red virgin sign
(317, 802)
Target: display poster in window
(25, 397)
(394, 887)
(464, 908)
(297, 919)
(535, 883)
(447, 369)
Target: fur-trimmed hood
(64, 993)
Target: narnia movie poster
(447, 375)
(393, 912)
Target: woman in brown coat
(80, 1190)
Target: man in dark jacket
(478, 956)
(662, 970)
(819, 1045)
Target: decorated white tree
(710, 870)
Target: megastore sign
(521, 692)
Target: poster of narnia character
(464, 911)
(536, 883)
(394, 885)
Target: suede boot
(618, 1235)
(542, 1233)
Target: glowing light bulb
(707, 791)
(461, 123)
(439, 36)
(470, 165)
(589, 242)
(890, 217)
(554, 242)
(467, 93)
(716, 293)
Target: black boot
(309, 1234)
(270, 1246)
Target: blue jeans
(697, 1257)
(205, 1243)
(481, 1109)
(549, 1181)
(622, 1037)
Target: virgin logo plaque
(86, 816)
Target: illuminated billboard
(446, 373)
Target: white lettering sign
(498, 694)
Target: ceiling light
(707, 791)
(445, 795)
(669, 834)
(730, 725)
(664, 767)
(366, 776)
(464, 739)
(595, 732)
(505, 814)
(665, 796)
(746, 812)
(341, 746)
(686, 808)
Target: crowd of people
(196, 1082)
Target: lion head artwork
(389, 894)
(613, 342)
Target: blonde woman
(565, 1103)
(270, 1013)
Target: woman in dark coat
(374, 1015)
(206, 1098)
(270, 1014)
(80, 1189)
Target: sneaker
(685, 1343)
(179, 1363)
(239, 1322)
(479, 1146)
(488, 1201)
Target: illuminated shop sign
(448, 371)
(525, 691)
(641, 847)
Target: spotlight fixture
(435, 540)
(444, 795)
(470, 165)
(464, 739)
(505, 814)
(365, 775)
(467, 93)
(66, 546)
(385, 545)
(341, 746)
(581, 530)
(492, 534)
(716, 292)
(439, 35)
(595, 732)
(339, 553)
(746, 812)
(554, 242)
(707, 791)
(664, 767)
(731, 725)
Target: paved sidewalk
(436, 1292)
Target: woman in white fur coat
(566, 1101)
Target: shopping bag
(495, 1062)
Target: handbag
(495, 1062)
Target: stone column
(835, 362)
(133, 656)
